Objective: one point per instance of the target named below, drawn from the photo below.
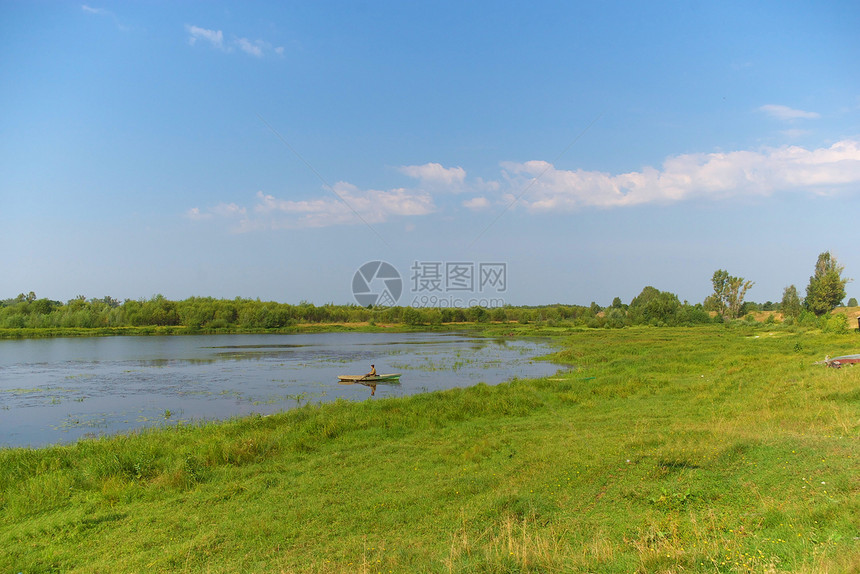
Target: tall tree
(826, 287)
(729, 293)
(790, 305)
(717, 300)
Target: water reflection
(371, 386)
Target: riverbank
(699, 450)
(170, 330)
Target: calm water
(58, 390)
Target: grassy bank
(666, 450)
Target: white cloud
(485, 186)
(690, 176)
(101, 12)
(351, 206)
(214, 37)
(229, 210)
(786, 113)
(225, 210)
(195, 214)
(540, 187)
(254, 49)
(477, 203)
(434, 173)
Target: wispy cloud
(220, 210)
(105, 13)
(477, 203)
(820, 171)
(196, 214)
(215, 39)
(786, 113)
(434, 173)
(270, 212)
(252, 48)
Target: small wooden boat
(390, 378)
(843, 360)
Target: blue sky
(270, 149)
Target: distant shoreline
(177, 330)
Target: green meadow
(702, 449)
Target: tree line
(209, 314)
(826, 290)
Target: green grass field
(707, 449)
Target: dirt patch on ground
(851, 312)
(761, 316)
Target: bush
(835, 324)
(616, 318)
(807, 319)
(412, 316)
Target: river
(55, 391)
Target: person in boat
(372, 372)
